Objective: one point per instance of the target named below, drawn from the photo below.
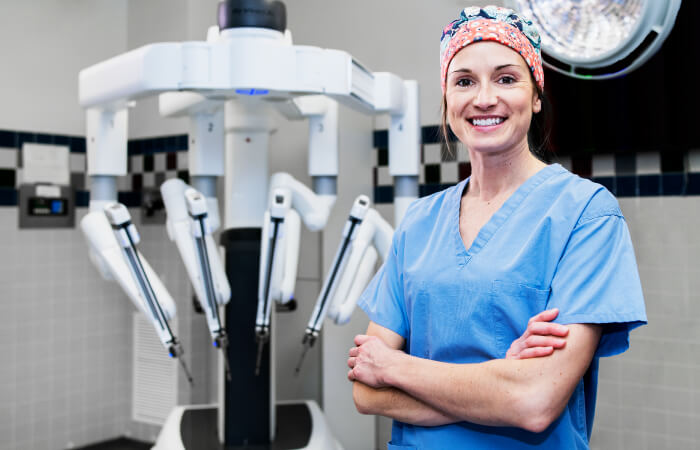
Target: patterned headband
(492, 23)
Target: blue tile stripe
(671, 181)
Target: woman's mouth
(486, 122)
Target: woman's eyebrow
(467, 70)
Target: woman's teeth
(487, 122)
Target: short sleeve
(383, 299)
(597, 281)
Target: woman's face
(490, 98)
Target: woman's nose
(485, 96)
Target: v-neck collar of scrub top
(499, 217)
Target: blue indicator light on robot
(252, 91)
(216, 344)
(56, 207)
(171, 355)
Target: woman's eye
(506, 80)
(464, 82)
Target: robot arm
(278, 262)
(190, 225)
(351, 269)
(114, 238)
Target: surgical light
(598, 39)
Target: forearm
(526, 393)
(494, 393)
(398, 405)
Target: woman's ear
(536, 104)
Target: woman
(471, 264)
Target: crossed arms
(529, 389)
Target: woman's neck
(501, 173)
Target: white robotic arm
(113, 237)
(351, 269)
(190, 224)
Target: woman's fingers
(351, 375)
(546, 329)
(535, 352)
(354, 351)
(545, 316)
(544, 341)
(351, 362)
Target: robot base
(300, 425)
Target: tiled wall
(625, 175)
(65, 333)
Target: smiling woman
(461, 351)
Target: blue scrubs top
(558, 241)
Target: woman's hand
(370, 360)
(540, 338)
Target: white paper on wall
(43, 163)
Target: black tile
(430, 134)
(8, 139)
(171, 161)
(136, 182)
(626, 186)
(147, 146)
(159, 144)
(182, 142)
(673, 183)
(148, 162)
(60, 139)
(129, 199)
(432, 173)
(382, 156)
(25, 137)
(582, 165)
(42, 138)
(381, 138)
(171, 144)
(383, 194)
(133, 147)
(77, 144)
(430, 189)
(464, 170)
(608, 182)
(160, 178)
(184, 175)
(672, 161)
(82, 198)
(649, 185)
(693, 186)
(8, 178)
(625, 164)
(8, 196)
(77, 180)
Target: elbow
(536, 412)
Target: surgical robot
(230, 86)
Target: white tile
(183, 162)
(383, 176)
(8, 158)
(449, 172)
(648, 163)
(421, 174)
(137, 164)
(694, 161)
(77, 162)
(124, 183)
(603, 166)
(431, 153)
(18, 177)
(462, 152)
(159, 162)
(170, 174)
(149, 179)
